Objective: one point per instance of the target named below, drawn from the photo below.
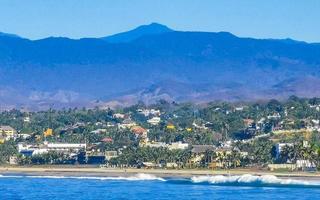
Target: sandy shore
(183, 173)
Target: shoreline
(163, 173)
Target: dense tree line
(212, 124)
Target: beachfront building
(280, 147)
(29, 150)
(285, 166)
(305, 165)
(111, 154)
(198, 152)
(95, 157)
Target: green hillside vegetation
(252, 128)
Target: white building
(155, 144)
(26, 119)
(8, 132)
(178, 145)
(280, 146)
(47, 147)
(127, 123)
(202, 126)
(154, 120)
(109, 124)
(99, 131)
(239, 108)
(65, 146)
(111, 154)
(303, 164)
(148, 112)
(118, 116)
(315, 121)
(24, 136)
(274, 116)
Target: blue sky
(96, 18)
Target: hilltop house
(139, 131)
(7, 132)
(201, 127)
(2, 139)
(99, 131)
(154, 120)
(26, 119)
(240, 108)
(317, 107)
(118, 116)
(248, 122)
(107, 140)
(148, 112)
(274, 116)
(127, 123)
(170, 126)
(72, 128)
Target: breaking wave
(241, 180)
(252, 180)
(137, 177)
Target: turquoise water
(145, 186)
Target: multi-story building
(7, 132)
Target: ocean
(145, 186)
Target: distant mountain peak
(154, 28)
(155, 63)
(150, 29)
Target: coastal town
(272, 135)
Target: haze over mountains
(153, 62)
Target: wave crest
(137, 177)
(249, 179)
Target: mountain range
(153, 62)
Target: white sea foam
(137, 177)
(251, 179)
(9, 176)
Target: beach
(124, 172)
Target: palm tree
(236, 158)
(208, 156)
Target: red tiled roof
(107, 139)
(138, 130)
